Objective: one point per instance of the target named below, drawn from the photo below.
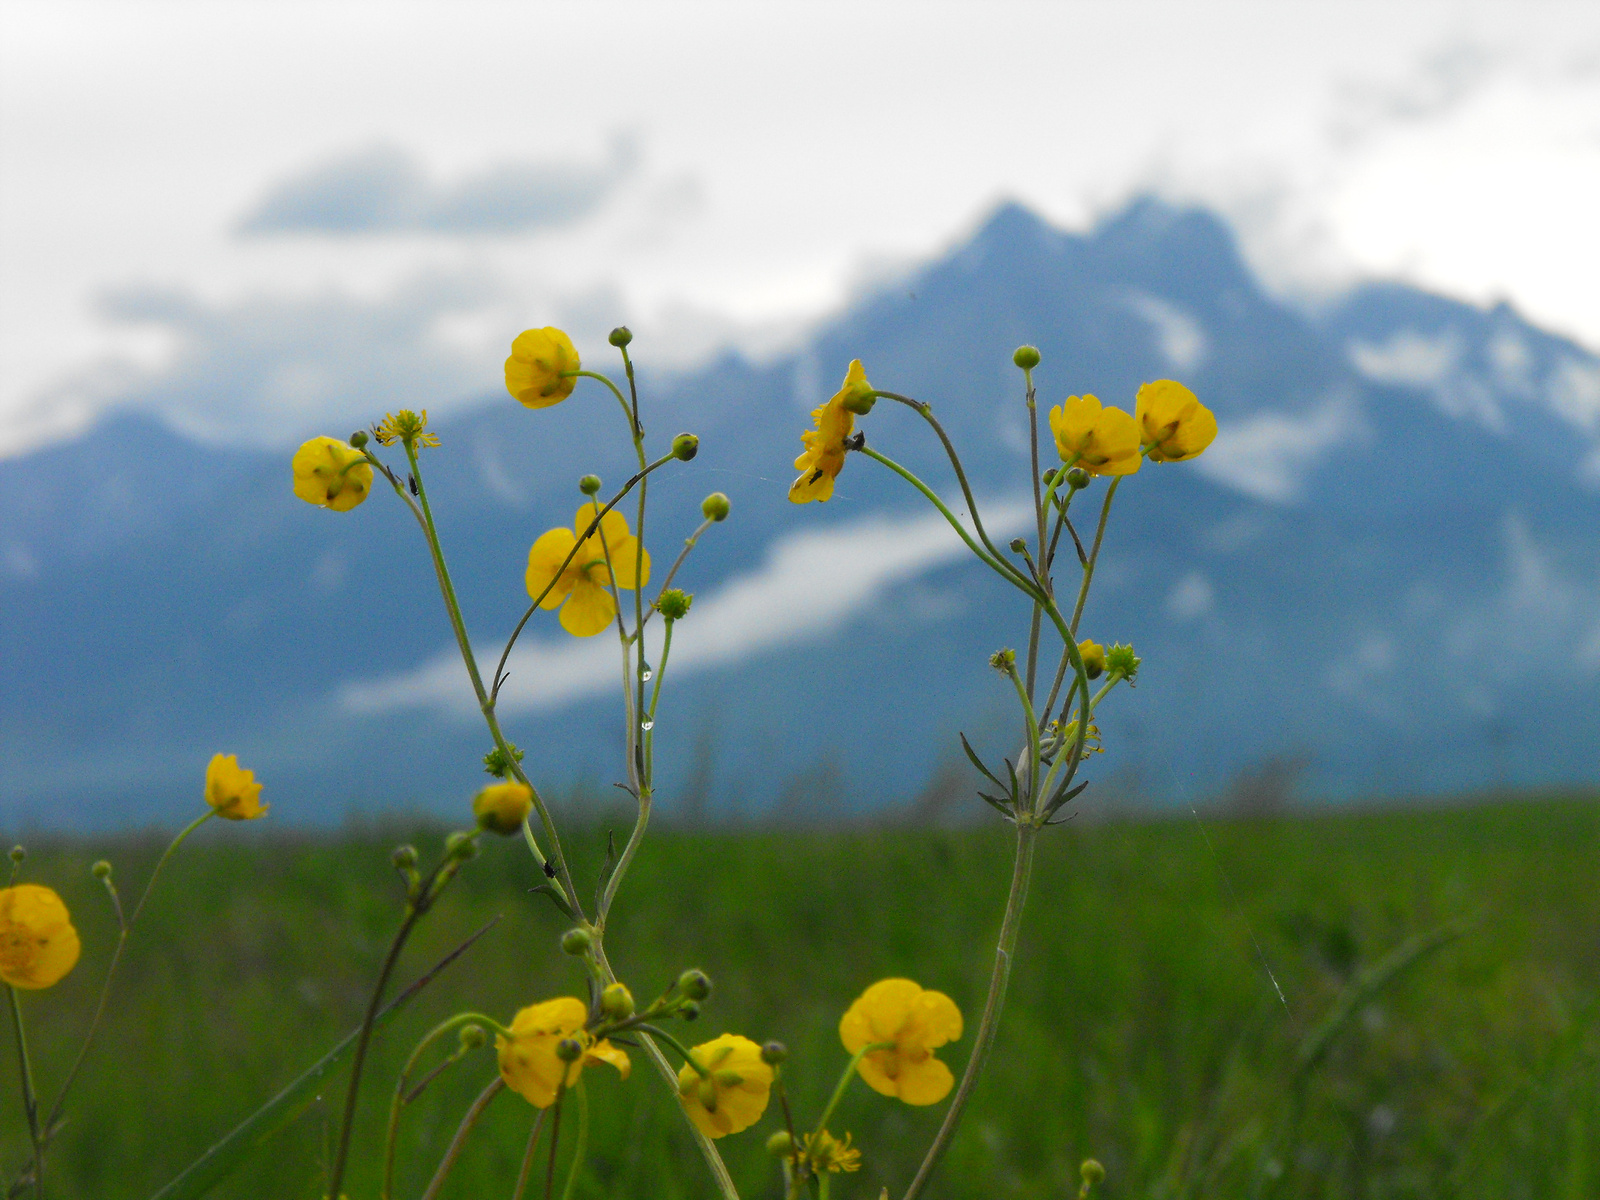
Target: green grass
(1144, 1027)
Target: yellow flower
(1094, 658)
(584, 584)
(917, 1023)
(405, 426)
(735, 1095)
(823, 458)
(503, 807)
(232, 790)
(38, 944)
(528, 1060)
(1173, 424)
(537, 373)
(331, 474)
(1103, 441)
(828, 1155)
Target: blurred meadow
(1145, 1027)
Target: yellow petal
(813, 485)
(613, 525)
(925, 1082)
(588, 610)
(879, 1069)
(544, 565)
(937, 1018)
(604, 1051)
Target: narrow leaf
(605, 870)
(977, 762)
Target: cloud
(1178, 335)
(1191, 597)
(1268, 455)
(810, 584)
(385, 190)
(1408, 358)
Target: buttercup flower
(823, 457)
(502, 807)
(232, 790)
(405, 426)
(38, 944)
(1103, 441)
(583, 588)
(528, 1060)
(1094, 658)
(331, 474)
(828, 1155)
(917, 1023)
(735, 1095)
(1173, 424)
(537, 371)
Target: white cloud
(1178, 335)
(1408, 359)
(1191, 597)
(1573, 390)
(810, 585)
(1268, 455)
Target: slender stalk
(401, 1098)
(1033, 737)
(688, 545)
(1094, 553)
(844, 1082)
(496, 1086)
(994, 1002)
(555, 1142)
(527, 1155)
(581, 1146)
(30, 1101)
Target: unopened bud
(576, 941)
(617, 1002)
(503, 807)
(714, 507)
(674, 604)
(589, 484)
(1004, 661)
(1018, 545)
(569, 1050)
(695, 984)
(1092, 1172)
(473, 1036)
(1124, 661)
(403, 857)
(1094, 658)
(18, 854)
(780, 1144)
(1049, 476)
(1078, 478)
(461, 846)
(101, 870)
(1026, 357)
(688, 1010)
(358, 439)
(685, 446)
(620, 336)
(774, 1053)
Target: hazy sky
(259, 217)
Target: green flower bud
(1122, 659)
(688, 1010)
(473, 1037)
(780, 1144)
(674, 604)
(18, 854)
(1049, 476)
(1078, 478)
(617, 1002)
(1018, 545)
(404, 857)
(358, 439)
(774, 1053)
(620, 336)
(577, 941)
(497, 764)
(685, 446)
(569, 1050)
(1004, 661)
(695, 984)
(714, 507)
(101, 870)
(589, 484)
(1093, 1173)
(1026, 357)
(461, 845)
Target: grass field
(1145, 1026)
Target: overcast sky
(259, 217)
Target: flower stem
(30, 1101)
(400, 1099)
(581, 1146)
(496, 1086)
(994, 1002)
(528, 1154)
(844, 1082)
(1094, 553)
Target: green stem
(527, 1155)
(30, 1102)
(688, 545)
(555, 1142)
(844, 1082)
(1094, 553)
(994, 1002)
(496, 1086)
(581, 1146)
(626, 411)
(1033, 737)
(400, 1099)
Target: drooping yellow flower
(583, 587)
(528, 1060)
(1101, 440)
(735, 1095)
(232, 791)
(1094, 658)
(819, 465)
(38, 944)
(917, 1023)
(331, 474)
(826, 1154)
(502, 807)
(405, 426)
(1173, 424)
(538, 371)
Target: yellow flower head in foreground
(331, 474)
(828, 1155)
(528, 1060)
(823, 457)
(584, 585)
(38, 944)
(537, 371)
(917, 1022)
(1173, 424)
(232, 790)
(503, 807)
(1103, 441)
(735, 1095)
(405, 426)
